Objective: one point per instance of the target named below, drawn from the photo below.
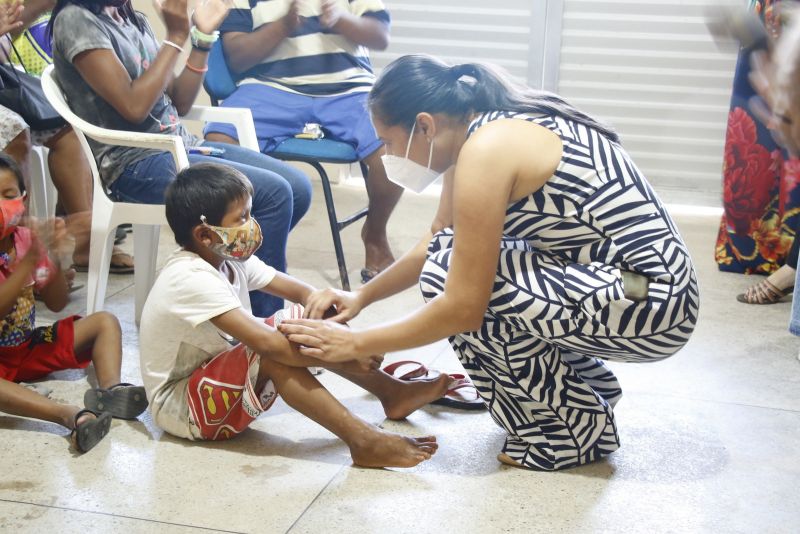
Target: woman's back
(597, 206)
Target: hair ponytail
(420, 83)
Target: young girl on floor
(29, 353)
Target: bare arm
(288, 288)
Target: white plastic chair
(146, 218)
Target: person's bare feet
(407, 396)
(378, 448)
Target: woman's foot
(121, 262)
(772, 289)
(378, 448)
(403, 398)
(503, 458)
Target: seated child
(29, 353)
(210, 367)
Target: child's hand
(331, 13)
(345, 303)
(53, 236)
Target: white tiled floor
(709, 438)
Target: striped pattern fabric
(558, 308)
(313, 60)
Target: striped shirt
(313, 60)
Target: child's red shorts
(221, 392)
(50, 348)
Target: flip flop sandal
(414, 371)
(123, 401)
(89, 433)
(764, 292)
(113, 268)
(462, 395)
(368, 274)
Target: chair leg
(334, 224)
(100, 248)
(38, 184)
(145, 248)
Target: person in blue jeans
(116, 75)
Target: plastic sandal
(123, 401)
(89, 433)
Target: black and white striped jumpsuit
(557, 308)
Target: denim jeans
(281, 196)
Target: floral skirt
(761, 199)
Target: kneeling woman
(550, 252)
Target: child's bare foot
(407, 396)
(385, 449)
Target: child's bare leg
(369, 445)
(400, 398)
(100, 332)
(19, 400)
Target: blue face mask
(407, 173)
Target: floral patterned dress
(761, 199)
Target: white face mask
(409, 174)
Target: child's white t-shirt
(176, 335)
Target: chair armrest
(167, 143)
(241, 118)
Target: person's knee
(107, 323)
(20, 147)
(218, 137)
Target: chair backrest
(219, 81)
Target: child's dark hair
(203, 189)
(420, 83)
(8, 163)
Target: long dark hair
(96, 7)
(420, 83)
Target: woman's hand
(324, 340)
(346, 304)
(175, 15)
(9, 17)
(209, 14)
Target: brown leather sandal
(764, 292)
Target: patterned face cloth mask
(238, 242)
(11, 212)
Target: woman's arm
(399, 276)
(102, 70)
(497, 152)
(184, 88)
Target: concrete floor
(709, 438)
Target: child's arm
(16, 281)
(261, 338)
(289, 288)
